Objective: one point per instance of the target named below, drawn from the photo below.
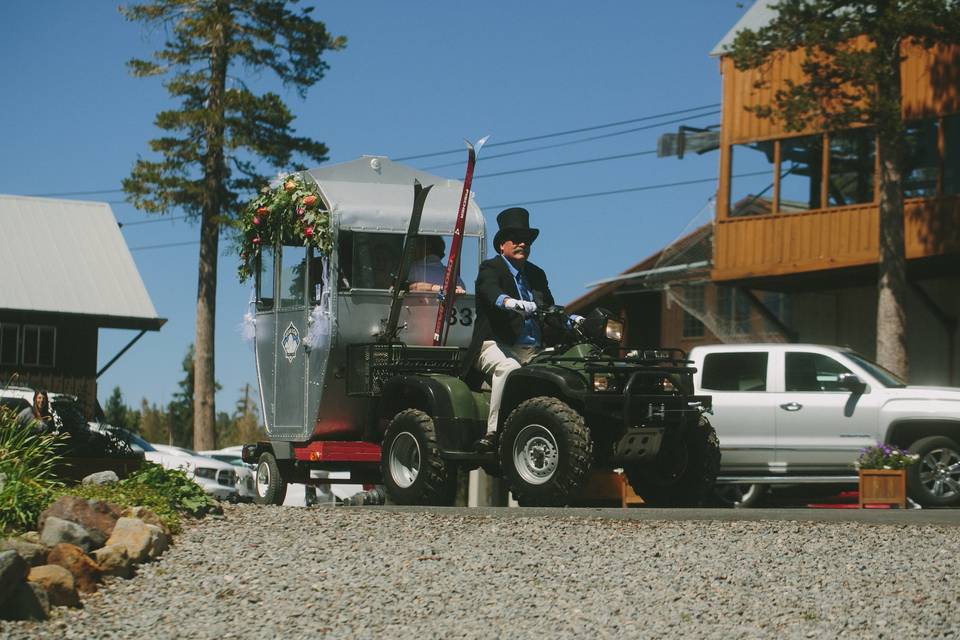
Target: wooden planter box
(883, 486)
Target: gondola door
(291, 355)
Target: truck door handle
(791, 406)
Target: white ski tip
(479, 143)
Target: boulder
(148, 516)
(13, 569)
(34, 554)
(57, 530)
(32, 537)
(141, 540)
(96, 516)
(57, 583)
(86, 572)
(102, 477)
(114, 561)
(28, 602)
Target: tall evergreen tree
(215, 142)
(117, 413)
(852, 52)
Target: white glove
(523, 307)
(576, 320)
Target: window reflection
(921, 159)
(293, 267)
(265, 280)
(751, 195)
(951, 159)
(852, 166)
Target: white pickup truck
(800, 413)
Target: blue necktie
(522, 288)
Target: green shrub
(168, 493)
(27, 480)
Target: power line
(578, 141)
(151, 220)
(565, 164)
(564, 133)
(74, 193)
(164, 246)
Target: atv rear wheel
(545, 452)
(413, 471)
(683, 475)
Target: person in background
(427, 269)
(38, 415)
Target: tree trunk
(214, 175)
(892, 267)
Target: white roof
(68, 256)
(759, 15)
(374, 193)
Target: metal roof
(374, 193)
(759, 15)
(68, 257)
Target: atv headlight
(604, 382)
(614, 330)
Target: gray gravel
(338, 572)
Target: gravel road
(266, 572)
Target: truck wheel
(413, 471)
(682, 475)
(271, 488)
(739, 496)
(545, 452)
(935, 479)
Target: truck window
(813, 372)
(293, 267)
(735, 371)
(265, 280)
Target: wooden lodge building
(797, 225)
(65, 272)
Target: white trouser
(496, 361)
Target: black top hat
(514, 222)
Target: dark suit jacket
(492, 322)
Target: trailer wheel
(545, 452)
(271, 488)
(413, 471)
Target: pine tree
(214, 143)
(852, 54)
(117, 413)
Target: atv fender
(534, 380)
(459, 415)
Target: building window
(9, 343)
(733, 310)
(39, 345)
(921, 160)
(951, 155)
(852, 167)
(778, 304)
(692, 327)
(801, 173)
(751, 181)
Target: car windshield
(886, 378)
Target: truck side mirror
(852, 383)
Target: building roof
(68, 257)
(759, 15)
(692, 251)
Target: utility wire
(74, 193)
(564, 133)
(164, 246)
(564, 164)
(577, 141)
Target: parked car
(218, 479)
(801, 413)
(246, 487)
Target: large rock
(96, 516)
(102, 477)
(141, 540)
(28, 602)
(30, 536)
(57, 530)
(58, 584)
(148, 516)
(33, 554)
(86, 572)
(114, 561)
(13, 569)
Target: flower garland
(289, 210)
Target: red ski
(449, 289)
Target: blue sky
(415, 78)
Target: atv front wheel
(545, 452)
(413, 471)
(683, 474)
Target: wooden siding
(930, 80)
(757, 246)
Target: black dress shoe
(487, 444)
